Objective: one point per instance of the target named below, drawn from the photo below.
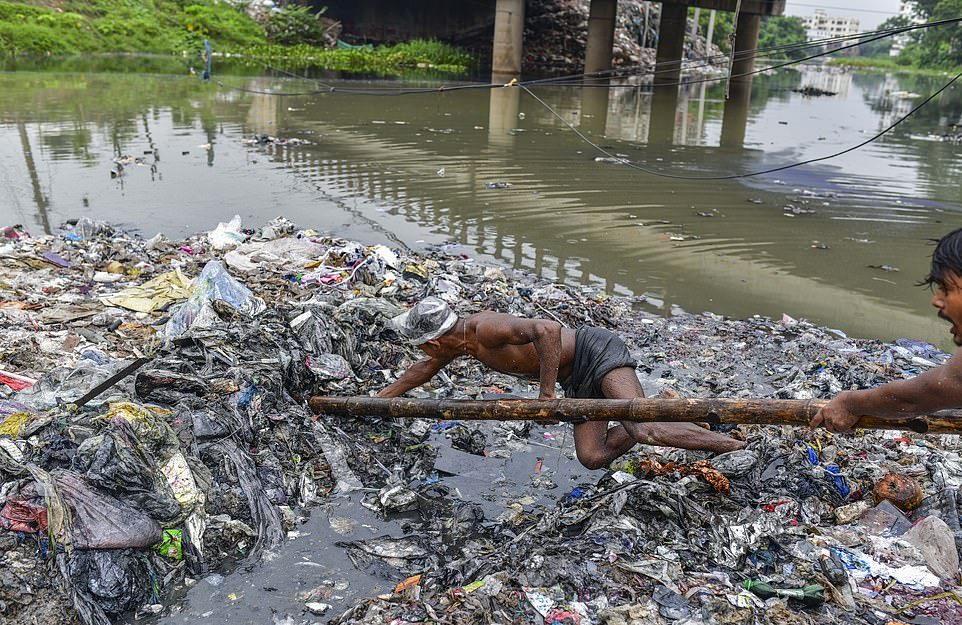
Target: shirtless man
(589, 363)
(933, 390)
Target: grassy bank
(888, 64)
(71, 27)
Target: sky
(870, 13)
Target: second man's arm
(936, 389)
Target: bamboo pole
(645, 410)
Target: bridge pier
(508, 40)
(601, 35)
(668, 57)
(735, 120)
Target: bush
(428, 52)
(295, 24)
(26, 38)
(221, 23)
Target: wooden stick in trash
(715, 411)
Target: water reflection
(374, 171)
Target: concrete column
(601, 35)
(508, 38)
(671, 43)
(746, 40)
(735, 120)
(671, 46)
(711, 29)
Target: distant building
(907, 10)
(825, 26)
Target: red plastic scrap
(16, 382)
(19, 515)
(558, 616)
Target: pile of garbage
(556, 34)
(196, 451)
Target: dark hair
(947, 258)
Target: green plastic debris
(812, 596)
(172, 546)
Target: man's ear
(433, 344)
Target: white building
(900, 41)
(825, 26)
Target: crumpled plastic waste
(155, 294)
(195, 462)
(227, 234)
(214, 284)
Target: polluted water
(194, 485)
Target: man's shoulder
(489, 315)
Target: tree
(939, 46)
(723, 28)
(781, 32)
(882, 47)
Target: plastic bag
(98, 521)
(329, 367)
(68, 385)
(213, 283)
(115, 463)
(227, 235)
(266, 518)
(291, 252)
(116, 580)
(152, 295)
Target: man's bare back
(484, 335)
(505, 343)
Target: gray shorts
(597, 353)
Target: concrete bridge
(386, 20)
(393, 20)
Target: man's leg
(597, 446)
(622, 383)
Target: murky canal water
(416, 169)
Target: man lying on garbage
(589, 362)
(933, 390)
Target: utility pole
(711, 28)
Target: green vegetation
(161, 26)
(72, 27)
(295, 24)
(927, 50)
(779, 34)
(890, 64)
(376, 60)
(776, 32)
(940, 46)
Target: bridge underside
(394, 20)
(755, 7)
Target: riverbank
(65, 28)
(887, 64)
(209, 457)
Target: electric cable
(771, 170)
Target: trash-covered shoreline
(203, 458)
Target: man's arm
(544, 334)
(936, 389)
(419, 373)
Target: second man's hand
(836, 416)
